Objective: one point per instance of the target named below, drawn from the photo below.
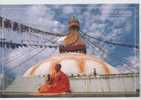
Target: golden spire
(73, 24)
(73, 41)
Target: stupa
(72, 57)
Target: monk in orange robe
(59, 83)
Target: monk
(59, 83)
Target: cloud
(19, 63)
(108, 27)
(68, 10)
(96, 20)
(37, 16)
(132, 65)
(45, 19)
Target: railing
(102, 85)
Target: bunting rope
(28, 59)
(113, 43)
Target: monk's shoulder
(64, 75)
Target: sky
(112, 22)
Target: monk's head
(58, 67)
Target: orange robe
(60, 84)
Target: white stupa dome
(72, 63)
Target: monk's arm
(43, 88)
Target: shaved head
(58, 67)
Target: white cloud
(68, 10)
(37, 16)
(119, 27)
(44, 17)
(132, 65)
(105, 11)
(20, 56)
(37, 11)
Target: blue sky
(116, 23)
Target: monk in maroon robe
(59, 83)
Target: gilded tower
(73, 41)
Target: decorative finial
(73, 19)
